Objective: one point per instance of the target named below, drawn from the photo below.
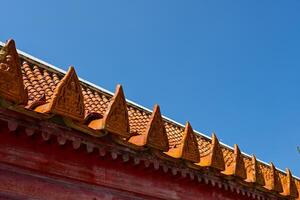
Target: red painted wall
(33, 168)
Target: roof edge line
(48, 65)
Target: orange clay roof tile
(94, 101)
(138, 120)
(228, 157)
(38, 81)
(41, 82)
(174, 133)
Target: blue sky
(231, 67)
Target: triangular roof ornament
(289, 186)
(115, 119)
(215, 157)
(272, 180)
(188, 148)
(237, 168)
(155, 132)
(254, 174)
(10, 69)
(155, 135)
(67, 99)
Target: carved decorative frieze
(215, 157)
(188, 147)
(67, 99)
(11, 81)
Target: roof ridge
(53, 68)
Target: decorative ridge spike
(188, 148)
(115, 119)
(272, 180)
(155, 132)
(289, 186)
(237, 168)
(155, 135)
(254, 174)
(239, 165)
(67, 99)
(11, 81)
(215, 157)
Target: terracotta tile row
(39, 91)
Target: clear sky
(232, 67)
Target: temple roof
(40, 89)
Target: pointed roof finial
(155, 132)
(67, 99)
(115, 119)
(214, 158)
(155, 135)
(254, 173)
(188, 147)
(11, 82)
(272, 180)
(237, 168)
(289, 186)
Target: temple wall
(31, 168)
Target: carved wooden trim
(289, 186)
(115, 119)
(188, 148)
(11, 81)
(237, 168)
(215, 158)
(67, 99)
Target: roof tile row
(40, 90)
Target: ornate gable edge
(272, 180)
(289, 185)
(287, 188)
(156, 135)
(237, 168)
(188, 149)
(215, 158)
(67, 99)
(115, 119)
(11, 82)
